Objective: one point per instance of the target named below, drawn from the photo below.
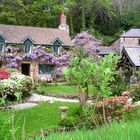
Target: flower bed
(15, 84)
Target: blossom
(13, 65)
(39, 54)
(3, 73)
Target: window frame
(57, 43)
(30, 49)
(58, 49)
(47, 66)
(2, 43)
(30, 44)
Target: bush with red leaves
(113, 107)
(3, 73)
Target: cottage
(129, 46)
(28, 38)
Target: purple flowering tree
(89, 43)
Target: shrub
(3, 73)
(16, 83)
(11, 70)
(103, 112)
(132, 114)
(8, 86)
(113, 107)
(135, 91)
(118, 86)
(69, 121)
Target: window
(28, 43)
(2, 47)
(2, 44)
(56, 49)
(27, 48)
(56, 45)
(45, 69)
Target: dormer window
(56, 49)
(2, 43)
(56, 46)
(28, 45)
(27, 48)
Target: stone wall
(119, 43)
(131, 41)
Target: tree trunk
(83, 96)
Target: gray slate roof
(133, 54)
(44, 36)
(131, 33)
(107, 50)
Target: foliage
(118, 86)
(83, 71)
(102, 16)
(88, 43)
(105, 72)
(11, 70)
(3, 73)
(64, 89)
(16, 84)
(114, 131)
(113, 108)
(132, 114)
(135, 91)
(69, 121)
(77, 74)
(41, 117)
(100, 113)
(25, 82)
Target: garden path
(36, 98)
(39, 98)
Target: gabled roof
(56, 39)
(131, 33)
(44, 36)
(107, 50)
(27, 38)
(133, 54)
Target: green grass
(43, 116)
(64, 89)
(115, 131)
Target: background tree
(106, 19)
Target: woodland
(106, 19)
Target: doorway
(25, 69)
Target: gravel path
(39, 98)
(23, 106)
(35, 98)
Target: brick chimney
(63, 22)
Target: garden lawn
(43, 116)
(64, 89)
(115, 131)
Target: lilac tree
(88, 42)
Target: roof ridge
(29, 26)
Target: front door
(25, 69)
